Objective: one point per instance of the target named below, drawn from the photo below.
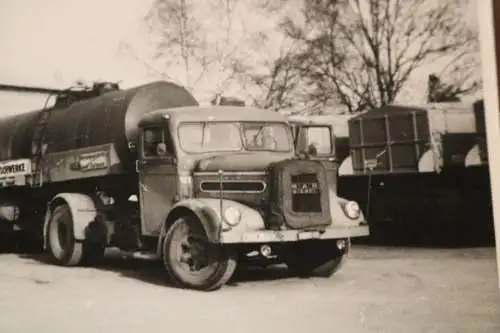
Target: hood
(239, 162)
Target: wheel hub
(62, 232)
(193, 253)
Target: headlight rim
(356, 209)
(230, 221)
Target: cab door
(157, 168)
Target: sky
(52, 43)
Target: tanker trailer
(32, 142)
(149, 171)
(412, 160)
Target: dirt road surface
(378, 290)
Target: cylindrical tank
(109, 118)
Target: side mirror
(161, 149)
(312, 150)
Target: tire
(187, 233)
(7, 237)
(63, 247)
(29, 242)
(315, 258)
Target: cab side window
(318, 140)
(156, 143)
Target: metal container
(109, 118)
(389, 139)
(394, 139)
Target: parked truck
(420, 174)
(148, 170)
(427, 174)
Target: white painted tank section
(473, 157)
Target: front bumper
(278, 236)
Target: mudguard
(82, 208)
(473, 157)
(427, 162)
(209, 213)
(345, 168)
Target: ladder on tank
(38, 149)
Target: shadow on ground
(152, 272)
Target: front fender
(83, 212)
(209, 213)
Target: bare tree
(198, 44)
(177, 34)
(361, 53)
(442, 92)
(277, 83)
(461, 76)
(273, 79)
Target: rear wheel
(64, 248)
(316, 258)
(192, 261)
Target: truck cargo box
(407, 139)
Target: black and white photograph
(249, 165)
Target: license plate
(308, 235)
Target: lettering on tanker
(94, 161)
(14, 168)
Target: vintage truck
(148, 170)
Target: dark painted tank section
(109, 118)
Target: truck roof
(212, 113)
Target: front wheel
(316, 258)
(192, 261)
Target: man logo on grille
(305, 188)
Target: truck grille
(306, 194)
(300, 194)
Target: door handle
(138, 163)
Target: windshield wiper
(258, 133)
(203, 126)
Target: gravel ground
(378, 290)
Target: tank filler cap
(82, 92)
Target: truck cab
(230, 175)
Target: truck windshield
(205, 137)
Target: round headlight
(232, 216)
(352, 209)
